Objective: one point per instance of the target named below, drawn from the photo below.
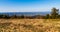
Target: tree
(4, 16)
(14, 16)
(47, 16)
(54, 13)
(22, 16)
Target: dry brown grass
(30, 25)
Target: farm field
(29, 25)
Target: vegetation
(37, 23)
(53, 15)
(30, 25)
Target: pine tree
(54, 13)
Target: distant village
(53, 15)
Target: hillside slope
(29, 25)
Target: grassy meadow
(29, 25)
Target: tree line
(53, 15)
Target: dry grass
(29, 25)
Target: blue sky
(28, 5)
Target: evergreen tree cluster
(54, 14)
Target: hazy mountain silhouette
(25, 13)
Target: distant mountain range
(26, 13)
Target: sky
(28, 5)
